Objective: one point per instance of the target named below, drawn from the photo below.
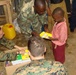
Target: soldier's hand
(20, 48)
(35, 33)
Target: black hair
(59, 11)
(39, 2)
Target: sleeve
(25, 19)
(7, 43)
(63, 33)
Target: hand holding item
(23, 55)
(45, 35)
(34, 33)
(19, 48)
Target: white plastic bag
(17, 28)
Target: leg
(73, 16)
(59, 53)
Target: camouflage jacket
(28, 20)
(7, 56)
(7, 43)
(42, 67)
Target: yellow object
(26, 55)
(9, 31)
(45, 34)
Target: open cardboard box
(11, 69)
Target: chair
(7, 10)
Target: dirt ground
(70, 53)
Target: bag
(56, 1)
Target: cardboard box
(11, 69)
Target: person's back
(38, 65)
(42, 67)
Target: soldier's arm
(10, 44)
(7, 43)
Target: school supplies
(45, 35)
(23, 56)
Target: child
(59, 35)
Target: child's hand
(55, 47)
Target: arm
(48, 11)
(34, 33)
(48, 7)
(9, 44)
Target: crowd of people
(33, 19)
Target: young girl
(59, 35)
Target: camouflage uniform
(7, 56)
(42, 67)
(28, 20)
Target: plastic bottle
(9, 31)
(18, 57)
(25, 55)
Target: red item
(59, 53)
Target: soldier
(32, 17)
(38, 65)
(9, 44)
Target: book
(45, 35)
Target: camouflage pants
(7, 56)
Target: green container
(18, 57)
